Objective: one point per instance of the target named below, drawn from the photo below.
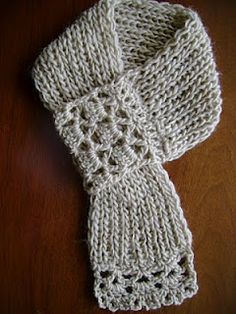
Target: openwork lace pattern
(146, 288)
(106, 133)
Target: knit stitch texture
(133, 84)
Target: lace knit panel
(106, 132)
(120, 288)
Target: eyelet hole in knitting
(73, 109)
(95, 138)
(143, 279)
(113, 304)
(187, 289)
(84, 128)
(102, 94)
(121, 114)
(127, 99)
(137, 148)
(185, 273)
(129, 289)
(120, 142)
(89, 185)
(168, 297)
(127, 276)
(172, 272)
(105, 274)
(99, 171)
(84, 146)
(115, 280)
(100, 154)
(69, 123)
(101, 285)
(148, 155)
(182, 261)
(112, 162)
(106, 120)
(82, 114)
(122, 127)
(107, 108)
(157, 273)
(137, 134)
(158, 285)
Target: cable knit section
(133, 84)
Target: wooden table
(44, 266)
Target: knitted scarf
(132, 84)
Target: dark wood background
(44, 267)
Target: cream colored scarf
(132, 84)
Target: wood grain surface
(44, 266)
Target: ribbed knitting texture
(133, 84)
